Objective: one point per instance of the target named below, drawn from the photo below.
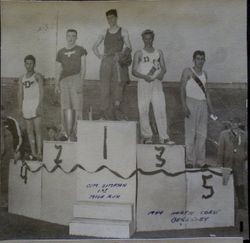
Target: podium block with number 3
(159, 194)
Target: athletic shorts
(72, 92)
(29, 108)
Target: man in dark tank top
(113, 74)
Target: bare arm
(97, 44)
(40, 80)
(184, 78)
(126, 39)
(136, 61)
(57, 76)
(83, 67)
(209, 103)
(163, 66)
(20, 94)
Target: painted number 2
(159, 156)
(57, 160)
(204, 179)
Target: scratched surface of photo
(124, 120)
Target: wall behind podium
(218, 27)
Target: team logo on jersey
(27, 83)
(69, 53)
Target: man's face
(199, 61)
(52, 134)
(29, 65)
(112, 20)
(148, 40)
(235, 125)
(71, 38)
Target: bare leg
(37, 125)
(31, 136)
(69, 121)
(78, 116)
(62, 121)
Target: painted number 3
(159, 156)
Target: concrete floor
(19, 227)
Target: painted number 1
(105, 143)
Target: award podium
(106, 185)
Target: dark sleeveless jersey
(113, 42)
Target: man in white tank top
(196, 102)
(30, 96)
(149, 68)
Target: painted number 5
(204, 179)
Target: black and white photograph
(124, 121)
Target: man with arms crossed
(196, 102)
(70, 73)
(149, 67)
(113, 76)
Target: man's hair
(111, 12)
(30, 57)
(52, 127)
(71, 30)
(148, 32)
(235, 120)
(198, 52)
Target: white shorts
(29, 108)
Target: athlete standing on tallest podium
(113, 75)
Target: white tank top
(30, 88)
(193, 90)
(150, 63)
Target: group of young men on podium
(149, 67)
